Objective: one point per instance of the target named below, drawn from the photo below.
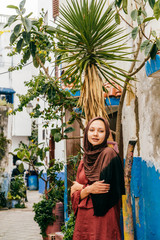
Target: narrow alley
(18, 224)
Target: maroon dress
(91, 227)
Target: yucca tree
(93, 42)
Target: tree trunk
(92, 99)
(119, 114)
(46, 190)
(126, 199)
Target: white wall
(147, 89)
(19, 126)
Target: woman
(96, 193)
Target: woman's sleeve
(75, 199)
(113, 175)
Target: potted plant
(17, 194)
(48, 211)
(43, 214)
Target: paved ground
(18, 224)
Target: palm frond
(93, 44)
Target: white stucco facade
(19, 125)
(147, 90)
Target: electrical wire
(10, 71)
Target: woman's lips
(95, 139)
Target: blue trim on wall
(6, 90)
(152, 66)
(9, 94)
(145, 192)
(112, 101)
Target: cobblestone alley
(18, 224)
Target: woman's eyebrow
(97, 128)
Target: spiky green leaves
(89, 35)
(91, 42)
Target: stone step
(56, 236)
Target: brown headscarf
(94, 155)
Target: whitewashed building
(19, 125)
(140, 119)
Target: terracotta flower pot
(56, 226)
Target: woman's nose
(95, 132)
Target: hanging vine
(3, 145)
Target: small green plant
(5, 103)
(34, 134)
(69, 228)
(17, 189)
(11, 197)
(3, 145)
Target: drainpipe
(65, 195)
(65, 185)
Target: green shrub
(43, 214)
(55, 193)
(17, 188)
(69, 228)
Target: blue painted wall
(152, 65)
(42, 184)
(4, 183)
(145, 190)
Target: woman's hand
(75, 187)
(99, 187)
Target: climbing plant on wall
(3, 145)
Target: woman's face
(96, 132)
